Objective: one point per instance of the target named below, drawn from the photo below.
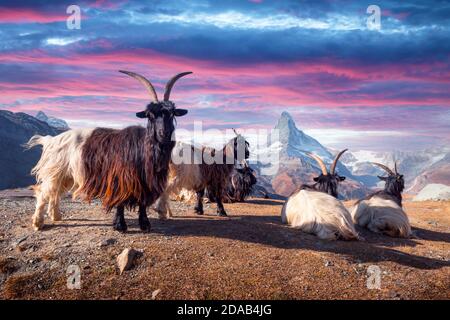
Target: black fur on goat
(239, 187)
(326, 182)
(393, 188)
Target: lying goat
(196, 174)
(315, 208)
(123, 168)
(382, 212)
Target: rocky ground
(249, 255)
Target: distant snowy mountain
(52, 121)
(418, 167)
(295, 167)
(295, 142)
(437, 173)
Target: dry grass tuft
(19, 285)
(8, 266)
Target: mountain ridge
(16, 162)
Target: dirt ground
(249, 255)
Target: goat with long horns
(315, 208)
(122, 168)
(382, 211)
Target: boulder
(435, 192)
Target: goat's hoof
(162, 217)
(198, 212)
(121, 227)
(222, 214)
(38, 224)
(144, 225)
(37, 227)
(56, 218)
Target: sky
(345, 83)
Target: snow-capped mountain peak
(52, 121)
(295, 142)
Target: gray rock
(435, 192)
(107, 242)
(126, 259)
(155, 293)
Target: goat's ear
(180, 112)
(341, 178)
(142, 114)
(382, 178)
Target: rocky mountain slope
(418, 167)
(15, 161)
(439, 173)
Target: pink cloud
(254, 86)
(21, 15)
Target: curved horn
(145, 82)
(382, 166)
(171, 82)
(395, 167)
(235, 132)
(334, 164)
(322, 165)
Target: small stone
(155, 293)
(21, 239)
(328, 263)
(126, 258)
(107, 242)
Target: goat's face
(329, 183)
(394, 182)
(161, 116)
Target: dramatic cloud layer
(374, 89)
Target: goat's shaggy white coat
(185, 176)
(58, 170)
(382, 215)
(320, 214)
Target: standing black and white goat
(123, 168)
(198, 174)
(382, 211)
(315, 208)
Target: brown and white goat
(122, 168)
(315, 208)
(382, 211)
(198, 174)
